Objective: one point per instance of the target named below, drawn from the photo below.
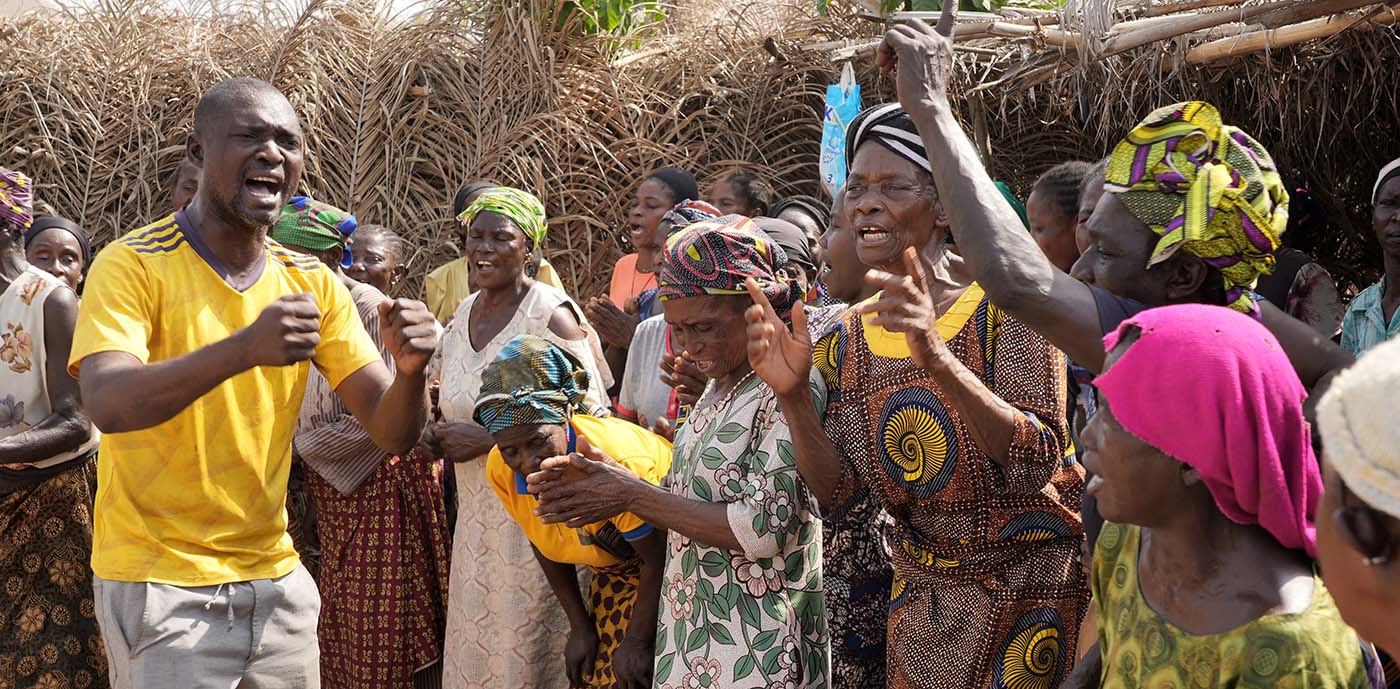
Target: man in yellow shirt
(193, 345)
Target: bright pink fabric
(1212, 387)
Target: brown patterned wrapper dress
(988, 589)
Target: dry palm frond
(400, 110)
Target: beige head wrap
(1359, 433)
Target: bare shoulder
(565, 323)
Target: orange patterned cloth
(51, 637)
(384, 564)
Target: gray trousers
(245, 635)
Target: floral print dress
(756, 618)
(50, 636)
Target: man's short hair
(219, 97)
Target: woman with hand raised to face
(742, 597)
(952, 416)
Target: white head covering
(1392, 169)
(1360, 434)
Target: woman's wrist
(634, 492)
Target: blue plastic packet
(842, 106)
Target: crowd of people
(920, 436)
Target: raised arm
(1000, 254)
(66, 427)
(1005, 421)
(285, 333)
(1315, 358)
(394, 410)
(783, 359)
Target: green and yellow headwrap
(1206, 188)
(523, 209)
(530, 382)
(316, 226)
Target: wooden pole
(1270, 39)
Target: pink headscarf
(1212, 388)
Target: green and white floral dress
(733, 620)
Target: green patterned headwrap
(317, 226)
(530, 382)
(521, 207)
(1205, 188)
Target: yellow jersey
(200, 499)
(646, 454)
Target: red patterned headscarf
(715, 257)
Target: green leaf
(770, 607)
(712, 458)
(794, 568)
(717, 610)
(730, 594)
(758, 460)
(698, 637)
(705, 590)
(663, 666)
(744, 667)
(688, 563)
(926, 5)
(748, 611)
(730, 432)
(714, 563)
(662, 638)
(785, 454)
(680, 635)
(721, 635)
(784, 483)
(764, 641)
(701, 488)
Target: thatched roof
(1314, 80)
(401, 110)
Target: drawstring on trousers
(229, 602)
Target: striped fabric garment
(328, 438)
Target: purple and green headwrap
(1205, 188)
(530, 382)
(715, 257)
(308, 223)
(16, 198)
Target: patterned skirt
(50, 636)
(1017, 629)
(857, 576)
(611, 596)
(384, 566)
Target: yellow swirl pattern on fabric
(1032, 658)
(916, 443)
(825, 357)
(926, 557)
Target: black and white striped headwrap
(889, 125)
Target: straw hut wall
(400, 110)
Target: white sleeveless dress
(504, 626)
